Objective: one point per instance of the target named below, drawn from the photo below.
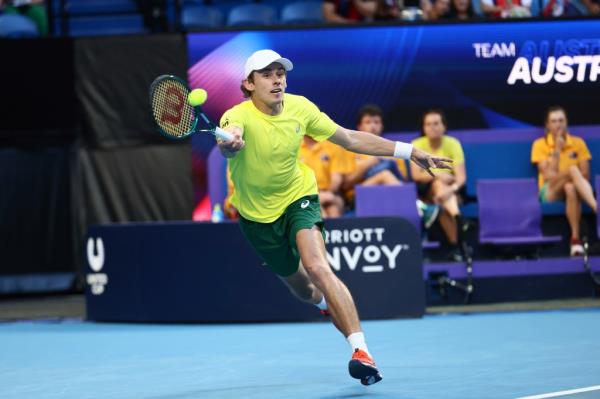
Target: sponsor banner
(202, 272)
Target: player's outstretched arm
(229, 149)
(370, 144)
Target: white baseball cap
(263, 58)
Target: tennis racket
(175, 117)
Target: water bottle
(217, 214)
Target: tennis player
(276, 195)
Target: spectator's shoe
(363, 368)
(454, 255)
(428, 213)
(576, 247)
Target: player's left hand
(428, 161)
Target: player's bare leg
(331, 204)
(383, 178)
(564, 186)
(341, 306)
(583, 187)
(555, 190)
(450, 218)
(340, 303)
(448, 224)
(304, 289)
(573, 208)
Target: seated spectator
(563, 165)
(229, 210)
(387, 10)
(435, 10)
(461, 10)
(443, 189)
(33, 9)
(592, 6)
(368, 170)
(563, 8)
(506, 8)
(350, 11)
(329, 163)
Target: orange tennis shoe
(363, 368)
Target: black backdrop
(77, 147)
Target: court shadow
(230, 392)
(363, 392)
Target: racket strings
(170, 108)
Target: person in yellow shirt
(563, 171)
(228, 207)
(330, 164)
(444, 188)
(276, 194)
(371, 170)
(368, 170)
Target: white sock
(323, 304)
(357, 341)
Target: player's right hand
(232, 146)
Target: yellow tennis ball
(197, 97)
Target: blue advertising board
(204, 272)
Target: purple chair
(217, 177)
(510, 212)
(391, 201)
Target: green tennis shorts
(276, 242)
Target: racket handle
(222, 134)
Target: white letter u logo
(96, 261)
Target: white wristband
(403, 150)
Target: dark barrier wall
(127, 171)
(203, 272)
(113, 76)
(38, 129)
(35, 210)
(38, 96)
(77, 147)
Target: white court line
(561, 393)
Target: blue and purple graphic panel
(488, 75)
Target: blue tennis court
(498, 355)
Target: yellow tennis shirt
(450, 148)
(574, 151)
(267, 173)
